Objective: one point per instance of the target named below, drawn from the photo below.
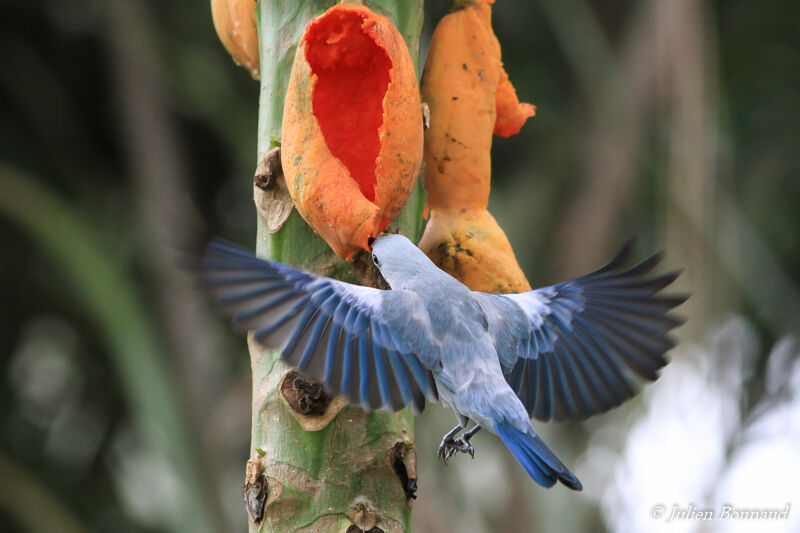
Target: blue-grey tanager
(562, 352)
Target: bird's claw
(449, 447)
(466, 447)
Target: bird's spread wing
(354, 340)
(585, 338)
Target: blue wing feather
(587, 338)
(320, 327)
(363, 366)
(331, 356)
(380, 372)
(340, 334)
(401, 377)
(347, 368)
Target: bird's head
(399, 259)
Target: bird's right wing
(357, 341)
(584, 339)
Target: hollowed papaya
(351, 145)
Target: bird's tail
(535, 457)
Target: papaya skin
(470, 246)
(235, 22)
(459, 82)
(511, 113)
(470, 99)
(351, 145)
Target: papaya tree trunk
(316, 463)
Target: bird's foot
(450, 446)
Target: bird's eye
(376, 261)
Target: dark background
(124, 400)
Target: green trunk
(349, 473)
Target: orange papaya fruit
(511, 113)
(351, 142)
(470, 98)
(235, 22)
(470, 246)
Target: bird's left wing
(357, 341)
(570, 350)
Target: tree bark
(316, 463)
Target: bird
(562, 352)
